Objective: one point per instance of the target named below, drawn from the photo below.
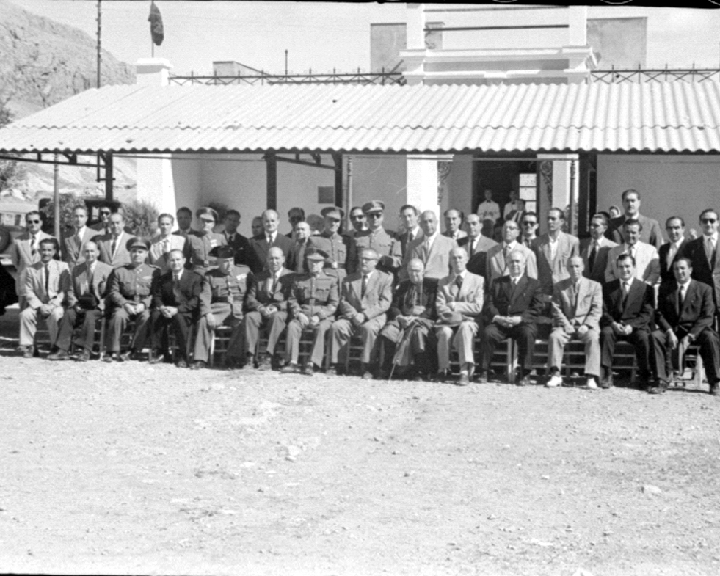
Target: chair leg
(101, 348)
(211, 358)
(511, 356)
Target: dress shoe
(555, 381)
(309, 369)
(265, 364)
(715, 389)
(418, 377)
(291, 368)
(659, 388)
(182, 363)
(590, 383)
(482, 377)
(154, 357)
(107, 358)
(198, 365)
(59, 355)
(523, 380)
(606, 383)
(122, 357)
(28, 352)
(84, 356)
(464, 379)
(441, 376)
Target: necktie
(166, 245)
(176, 288)
(681, 297)
(270, 239)
(575, 291)
(471, 246)
(90, 279)
(33, 245)
(114, 246)
(591, 258)
(364, 286)
(47, 280)
(626, 289)
(710, 249)
(670, 256)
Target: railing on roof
(382, 77)
(640, 75)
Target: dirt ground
(139, 469)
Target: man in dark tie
(528, 229)
(595, 251)
(365, 299)
(702, 252)
(684, 316)
(270, 238)
(244, 254)
(74, 249)
(296, 258)
(432, 248)
(184, 220)
(669, 252)
(627, 315)
(511, 310)
(476, 246)
(177, 305)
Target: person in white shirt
(703, 256)
(514, 205)
(453, 224)
(670, 251)
(647, 262)
(164, 243)
(489, 210)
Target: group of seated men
(410, 298)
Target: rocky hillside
(43, 62)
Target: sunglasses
(708, 220)
(374, 215)
(529, 223)
(34, 221)
(104, 212)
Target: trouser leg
(524, 335)
(591, 339)
(65, 331)
(444, 335)
(116, 326)
(53, 323)
(641, 340)
(492, 336)
(659, 343)
(181, 324)
(369, 332)
(709, 343)
(201, 350)
(292, 341)
(276, 325)
(318, 350)
(340, 333)
(142, 329)
(28, 326)
(608, 339)
(464, 342)
(252, 323)
(556, 344)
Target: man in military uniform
(129, 298)
(227, 287)
(331, 244)
(198, 246)
(376, 238)
(312, 304)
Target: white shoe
(554, 381)
(591, 383)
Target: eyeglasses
(34, 221)
(529, 223)
(104, 212)
(375, 215)
(708, 220)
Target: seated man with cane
(405, 338)
(85, 303)
(312, 304)
(576, 309)
(459, 303)
(227, 288)
(177, 303)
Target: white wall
(384, 178)
(460, 183)
(186, 182)
(669, 185)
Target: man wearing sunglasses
(25, 252)
(528, 229)
(357, 219)
(375, 238)
(702, 253)
(103, 226)
(595, 252)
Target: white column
(562, 187)
(577, 19)
(415, 26)
(155, 182)
(426, 185)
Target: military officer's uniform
(380, 240)
(227, 290)
(316, 297)
(130, 285)
(198, 251)
(332, 246)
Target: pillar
(427, 181)
(558, 182)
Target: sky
(323, 35)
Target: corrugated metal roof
(656, 117)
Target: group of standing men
(409, 298)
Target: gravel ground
(139, 469)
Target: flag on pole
(157, 31)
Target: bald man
(270, 238)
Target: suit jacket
(588, 309)
(701, 271)
(73, 252)
(647, 263)
(553, 270)
(5, 239)
(260, 246)
(22, 258)
(436, 260)
(496, 266)
(666, 273)
(244, 253)
(651, 232)
(697, 311)
(524, 301)
(58, 284)
(638, 310)
(468, 301)
(190, 299)
(407, 293)
(157, 255)
(403, 241)
(601, 259)
(378, 294)
(79, 281)
(460, 235)
(477, 263)
(121, 257)
(296, 257)
(262, 293)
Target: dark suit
(694, 319)
(260, 246)
(187, 298)
(651, 232)
(296, 258)
(502, 300)
(666, 272)
(244, 253)
(636, 312)
(477, 262)
(701, 270)
(599, 264)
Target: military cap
(314, 256)
(333, 212)
(374, 206)
(206, 211)
(222, 252)
(143, 243)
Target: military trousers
(294, 335)
(342, 331)
(117, 324)
(71, 320)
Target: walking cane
(404, 338)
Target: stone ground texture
(140, 469)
